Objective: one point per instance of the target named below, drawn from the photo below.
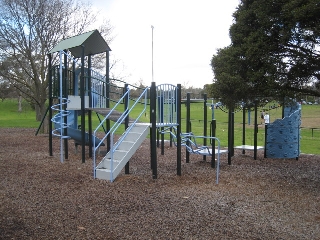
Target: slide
(72, 130)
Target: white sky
(186, 34)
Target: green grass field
(11, 117)
(310, 131)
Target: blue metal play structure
(283, 135)
(72, 111)
(79, 91)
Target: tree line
(29, 29)
(274, 52)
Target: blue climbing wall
(283, 135)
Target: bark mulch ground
(42, 198)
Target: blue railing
(188, 140)
(60, 108)
(117, 124)
(58, 119)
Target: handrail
(117, 124)
(185, 138)
(63, 101)
(218, 157)
(107, 116)
(63, 113)
(95, 131)
(144, 94)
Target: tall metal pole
(50, 103)
(65, 95)
(107, 94)
(178, 104)
(153, 119)
(83, 110)
(152, 50)
(91, 104)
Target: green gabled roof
(92, 41)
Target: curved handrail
(63, 113)
(187, 142)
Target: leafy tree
(228, 69)
(208, 89)
(274, 50)
(29, 29)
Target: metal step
(111, 166)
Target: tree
(6, 90)
(208, 89)
(274, 49)
(29, 29)
(229, 69)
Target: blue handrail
(117, 124)
(193, 148)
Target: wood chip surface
(42, 198)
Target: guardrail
(117, 124)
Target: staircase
(114, 161)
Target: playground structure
(282, 137)
(80, 91)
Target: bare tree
(29, 29)
(6, 90)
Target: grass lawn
(310, 122)
(12, 118)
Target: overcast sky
(186, 34)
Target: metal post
(50, 104)
(107, 94)
(61, 107)
(243, 129)
(265, 140)
(75, 82)
(205, 118)
(153, 118)
(161, 110)
(83, 113)
(178, 105)
(126, 122)
(90, 105)
(229, 136)
(188, 127)
(213, 143)
(255, 137)
(232, 132)
(75, 91)
(152, 51)
(65, 95)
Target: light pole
(152, 50)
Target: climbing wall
(283, 135)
